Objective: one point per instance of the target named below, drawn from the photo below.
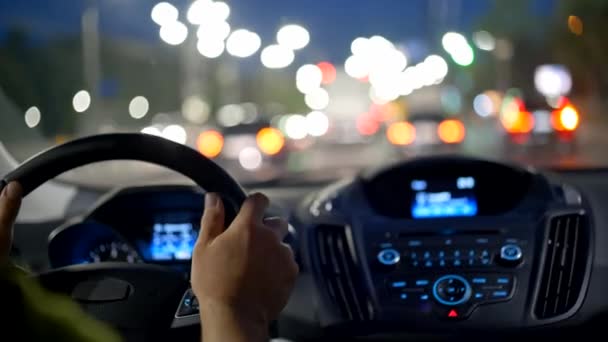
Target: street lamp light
(292, 36)
(276, 56)
(173, 33)
(243, 43)
(164, 13)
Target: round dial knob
(511, 254)
(451, 290)
(389, 257)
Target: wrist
(224, 322)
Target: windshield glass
(280, 90)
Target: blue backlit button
(451, 290)
(485, 261)
(422, 282)
(485, 253)
(471, 253)
(441, 254)
(424, 297)
(398, 284)
(414, 243)
(388, 257)
(479, 280)
(503, 280)
(442, 263)
(500, 294)
(403, 296)
(457, 263)
(428, 263)
(415, 263)
(478, 295)
(511, 254)
(457, 253)
(471, 262)
(426, 255)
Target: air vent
(340, 273)
(563, 271)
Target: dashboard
(437, 245)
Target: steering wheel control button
(451, 290)
(389, 257)
(188, 306)
(511, 254)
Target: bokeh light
(164, 13)
(575, 25)
(195, 110)
(276, 56)
(317, 99)
(295, 127)
(32, 117)
(401, 133)
(451, 131)
(175, 133)
(81, 101)
(210, 143)
(250, 158)
(566, 119)
(308, 78)
(243, 43)
(484, 40)
(294, 37)
(205, 11)
(483, 105)
(215, 30)
(152, 130)
(210, 48)
(367, 124)
(138, 107)
(328, 72)
(270, 140)
(173, 33)
(317, 123)
(231, 115)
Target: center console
(447, 242)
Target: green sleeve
(46, 316)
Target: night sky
(333, 24)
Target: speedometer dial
(113, 252)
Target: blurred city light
(483, 105)
(356, 67)
(251, 112)
(152, 130)
(401, 133)
(451, 131)
(384, 94)
(514, 118)
(243, 43)
(484, 40)
(175, 133)
(204, 11)
(575, 25)
(270, 140)
(210, 143)
(552, 80)
(294, 37)
(463, 56)
(210, 48)
(276, 56)
(308, 78)
(164, 13)
(566, 119)
(367, 124)
(195, 110)
(214, 30)
(436, 66)
(328, 72)
(295, 127)
(318, 99)
(81, 101)
(138, 107)
(32, 117)
(317, 123)
(231, 115)
(359, 46)
(173, 33)
(452, 41)
(250, 158)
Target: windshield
(280, 90)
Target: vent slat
(340, 274)
(564, 266)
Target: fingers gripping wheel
(129, 146)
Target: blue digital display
(444, 198)
(172, 241)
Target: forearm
(223, 324)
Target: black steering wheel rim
(129, 146)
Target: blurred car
(533, 122)
(257, 149)
(427, 132)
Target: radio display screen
(435, 198)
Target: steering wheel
(131, 297)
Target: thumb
(212, 223)
(10, 201)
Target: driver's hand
(10, 201)
(242, 276)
